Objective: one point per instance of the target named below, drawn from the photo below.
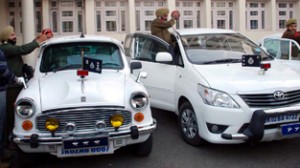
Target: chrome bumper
(34, 141)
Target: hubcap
(189, 123)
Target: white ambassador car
(287, 51)
(224, 87)
(83, 100)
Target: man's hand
(41, 38)
(175, 14)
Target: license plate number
(83, 151)
(290, 129)
(85, 143)
(282, 118)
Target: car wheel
(145, 148)
(27, 159)
(188, 125)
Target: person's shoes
(4, 165)
(7, 155)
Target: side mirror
(135, 65)
(163, 57)
(140, 76)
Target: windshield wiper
(227, 60)
(71, 66)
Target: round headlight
(116, 120)
(52, 124)
(139, 101)
(25, 108)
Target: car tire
(27, 159)
(144, 148)
(188, 125)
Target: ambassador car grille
(271, 100)
(84, 118)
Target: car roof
(204, 31)
(78, 38)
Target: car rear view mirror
(135, 65)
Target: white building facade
(116, 18)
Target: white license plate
(282, 118)
(61, 152)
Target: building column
(241, 16)
(3, 14)
(273, 16)
(207, 14)
(90, 17)
(131, 16)
(171, 5)
(28, 25)
(45, 14)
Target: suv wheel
(188, 125)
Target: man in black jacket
(5, 77)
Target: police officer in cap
(291, 30)
(161, 24)
(15, 63)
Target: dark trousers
(11, 96)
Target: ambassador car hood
(65, 89)
(233, 78)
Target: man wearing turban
(16, 65)
(161, 24)
(291, 30)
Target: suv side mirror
(135, 65)
(163, 57)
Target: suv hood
(233, 78)
(66, 89)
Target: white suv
(83, 100)
(223, 87)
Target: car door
(160, 79)
(285, 50)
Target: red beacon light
(82, 73)
(265, 66)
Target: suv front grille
(268, 100)
(84, 118)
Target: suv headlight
(216, 98)
(25, 108)
(139, 100)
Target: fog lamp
(27, 125)
(70, 127)
(116, 120)
(52, 124)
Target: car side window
(295, 51)
(147, 48)
(277, 48)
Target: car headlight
(216, 98)
(139, 100)
(25, 108)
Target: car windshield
(58, 57)
(220, 48)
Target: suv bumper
(256, 128)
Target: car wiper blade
(228, 60)
(71, 66)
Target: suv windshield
(66, 56)
(220, 48)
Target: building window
(54, 22)
(148, 25)
(253, 24)
(253, 5)
(38, 16)
(198, 19)
(221, 4)
(67, 26)
(187, 13)
(282, 5)
(282, 24)
(230, 20)
(221, 13)
(149, 13)
(110, 13)
(137, 16)
(187, 4)
(253, 13)
(80, 22)
(221, 24)
(111, 26)
(123, 21)
(110, 4)
(98, 21)
(188, 23)
(67, 13)
(262, 19)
